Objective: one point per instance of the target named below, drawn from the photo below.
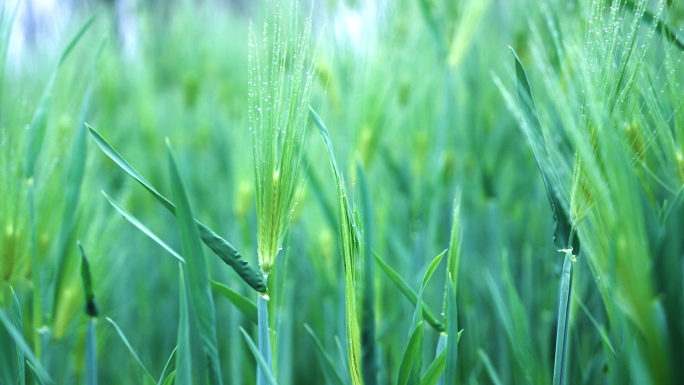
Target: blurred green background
(406, 86)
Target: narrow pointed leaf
(243, 304)
(454, 254)
(198, 278)
(351, 258)
(36, 374)
(452, 334)
(431, 268)
(170, 379)
(168, 366)
(129, 217)
(414, 345)
(148, 376)
(183, 358)
(562, 227)
(434, 371)
(21, 344)
(222, 248)
(268, 376)
(491, 371)
(408, 292)
(329, 371)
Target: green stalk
(264, 338)
(91, 354)
(563, 318)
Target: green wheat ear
(281, 76)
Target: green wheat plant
(281, 70)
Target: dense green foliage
(439, 134)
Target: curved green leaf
(198, 278)
(408, 292)
(18, 338)
(167, 366)
(129, 217)
(218, 245)
(148, 376)
(564, 236)
(243, 304)
(329, 371)
(259, 358)
(351, 250)
(413, 348)
(434, 371)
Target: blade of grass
(600, 328)
(171, 378)
(242, 303)
(434, 371)
(129, 217)
(350, 252)
(198, 278)
(454, 254)
(329, 370)
(411, 363)
(147, 376)
(222, 248)
(453, 334)
(183, 359)
(413, 348)
(408, 292)
(261, 362)
(563, 319)
(167, 366)
(36, 374)
(490, 368)
(17, 321)
(21, 344)
(564, 236)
